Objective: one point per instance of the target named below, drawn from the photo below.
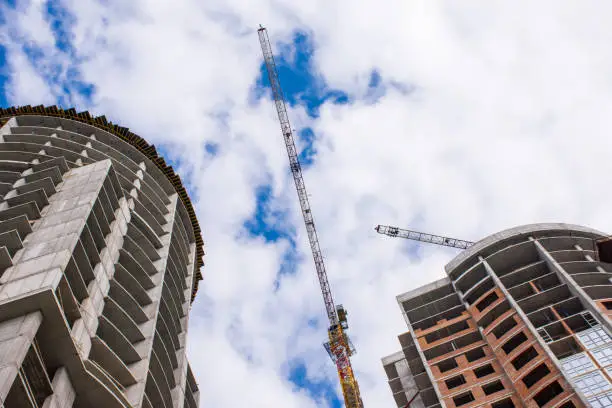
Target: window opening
(514, 342)
(536, 375)
(505, 403)
(487, 301)
(463, 399)
(522, 359)
(475, 354)
(493, 387)
(548, 393)
(455, 382)
(484, 371)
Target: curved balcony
(114, 338)
(106, 358)
(135, 269)
(146, 403)
(40, 140)
(75, 280)
(513, 257)
(164, 358)
(169, 280)
(573, 267)
(49, 162)
(17, 159)
(154, 393)
(127, 302)
(169, 352)
(101, 218)
(132, 285)
(155, 211)
(470, 277)
(122, 321)
(179, 264)
(176, 307)
(169, 339)
(5, 188)
(139, 255)
(151, 192)
(568, 255)
(183, 240)
(9, 177)
(96, 232)
(170, 318)
(161, 378)
(147, 246)
(22, 149)
(592, 278)
(149, 218)
(112, 391)
(558, 243)
(126, 184)
(478, 289)
(525, 273)
(37, 196)
(597, 292)
(10, 164)
(146, 229)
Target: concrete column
(178, 393)
(6, 128)
(16, 336)
(92, 306)
(63, 392)
(140, 370)
(430, 374)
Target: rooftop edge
(133, 139)
(527, 229)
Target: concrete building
(521, 320)
(100, 253)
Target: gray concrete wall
(94, 239)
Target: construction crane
(339, 346)
(422, 237)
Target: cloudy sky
(457, 119)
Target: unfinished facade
(521, 320)
(100, 253)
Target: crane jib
(339, 345)
(279, 102)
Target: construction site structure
(522, 319)
(339, 345)
(100, 259)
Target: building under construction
(523, 319)
(100, 256)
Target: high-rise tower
(523, 319)
(100, 253)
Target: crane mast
(339, 346)
(423, 237)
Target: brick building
(523, 319)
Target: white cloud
(508, 124)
